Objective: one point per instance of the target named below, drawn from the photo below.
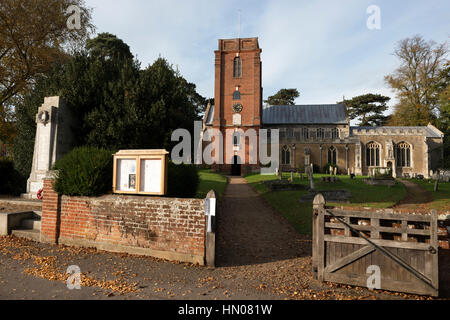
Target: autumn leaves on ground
(259, 256)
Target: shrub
(85, 171)
(6, 175)
(183, 180)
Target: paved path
(250, 232)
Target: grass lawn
(441, 198)
(299, 214)
(211, 180)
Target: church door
(236, 167)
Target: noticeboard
(140, 172)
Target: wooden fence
(403, 246)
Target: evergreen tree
(368, 109)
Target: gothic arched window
(286, 155)
(403, 155)
(237, 67)
(332, 155)
(373, 154)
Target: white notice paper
(151, 175)
(126, 175)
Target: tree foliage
(34, 34)
(117, 105)
(283, 97)
(415, 81)
(368, 109)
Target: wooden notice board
(140, 172)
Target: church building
(309, 134)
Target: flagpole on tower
(239, 24)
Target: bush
(183, 180)
(11, 182)
(85, 171)
(6, 173)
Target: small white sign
(210, 211)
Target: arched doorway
(236, 166)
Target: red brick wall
(163, 227)
(49, 221)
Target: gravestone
(53, 140)
(310, 173)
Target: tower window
(332, 155)
(403, 155)
(237, 67)
(373, 154)
(236, 139)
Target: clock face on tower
(237, 108)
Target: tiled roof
(305, 114)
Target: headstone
(53, 140)
(292, 176)
(331, 170)
(436, 185)
(311, 177)
(335, 171)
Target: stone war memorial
(53, 140)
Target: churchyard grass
(211, 180)
(299, 213)
(441, 198)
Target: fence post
(210, 237)
(317, 231)
(434, 244)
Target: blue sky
(322, 48)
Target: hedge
(85, 171)
(183, 180)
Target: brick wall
(167, 228)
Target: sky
(322, 48)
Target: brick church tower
(238, 98)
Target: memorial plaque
(140, 172)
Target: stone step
(31, 224)
(30, 234)
(38, 213)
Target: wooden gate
(403, 246)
